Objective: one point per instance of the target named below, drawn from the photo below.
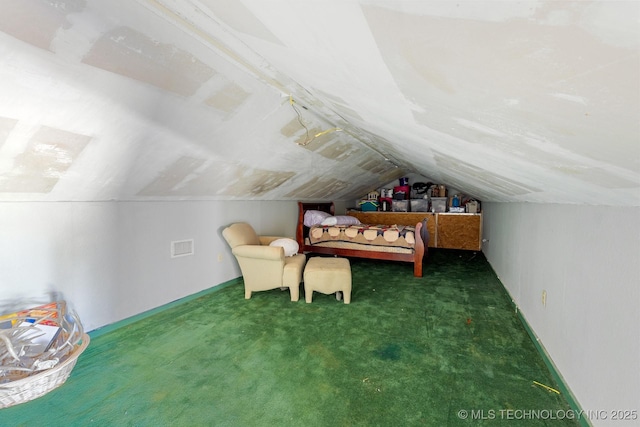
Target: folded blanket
(377, 235)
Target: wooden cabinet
(446, 230)
(459, 231)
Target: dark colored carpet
(407, 351)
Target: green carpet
(407, 351)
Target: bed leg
(420, 249)
(417, 269)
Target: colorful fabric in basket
(47, 314)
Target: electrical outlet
(544, 298)
(219, 257)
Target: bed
(343, 237)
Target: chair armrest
(259, 252)
(265, 240)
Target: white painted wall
(111, 260)
(587, 258)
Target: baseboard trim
(129, 320)
(583, 420)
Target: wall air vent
(181, 248)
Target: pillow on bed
(312, 218)
(290, 246)
(341, 220)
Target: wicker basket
(37, 385)
(30, 377)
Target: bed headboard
(301, 229)
(317, 206)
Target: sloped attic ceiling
(535, 101)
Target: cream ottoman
(328, 276)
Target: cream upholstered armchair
(263, 266)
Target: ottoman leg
(295, 292)
(308, 294)
(347, 296)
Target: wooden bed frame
(302, 232)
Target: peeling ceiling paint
(534, 101)
(228, 99)
(132, 54)
(48, 155)
(37, 22)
